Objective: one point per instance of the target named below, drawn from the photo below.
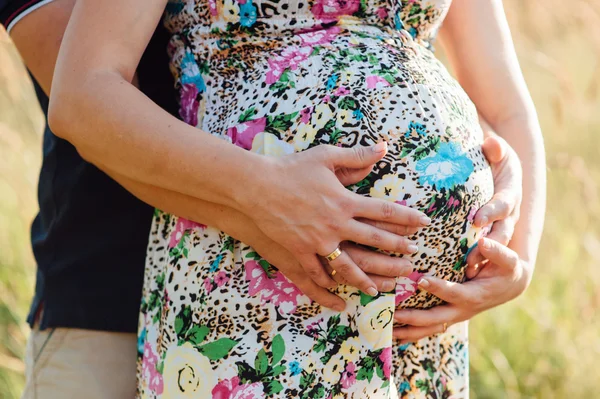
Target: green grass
(546, 344)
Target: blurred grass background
(546, 344)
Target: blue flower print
(190, 73)
(295, 368)
(141, 341)
(447, 168)
(419, 128)
(214, 266)
(357, 113)
(332, 81)
(247, 14)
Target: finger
(494, 149)
(315, 270)
(398, 229)
(318, 294)
(352, 274)
(502, 204)
(357, 157)
(348, 176)
(498, 254)
(389, 212)
(382, 283)
(455, 293)
(417, 333)
(381, 239)
(376, 263)
(428, 317)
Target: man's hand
(503, 278)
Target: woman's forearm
(122, 129)
(524, 136)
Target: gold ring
(333, 273)
(334, 255)
(445, 327)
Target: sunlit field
(545, 345)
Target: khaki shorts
(71, 363)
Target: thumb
(494, 149)
(358, 157)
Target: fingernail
(388, 285)
(340, 308)
(423, 283)
(372, 291)
(380, 147)
(424, 220)
(485, 243)
(412, 248)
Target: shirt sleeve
(11, 11)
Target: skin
(477, 31)
(53, 18)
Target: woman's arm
(477, 40)
(113, 125)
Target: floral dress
(281, 76)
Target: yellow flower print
(304, 136)
(187, 373)
(375, 322)
(389, 187)
(269, 144)
(231, 11)
(332, 372)
(350, 349)
(323, 114)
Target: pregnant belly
(360, 93)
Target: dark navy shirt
(90, 235)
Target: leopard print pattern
(217, 320)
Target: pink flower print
(321, 36)
(208, 285)
(376, 81)
(305, 114)
(232, 389)
(348, 376)
(326, 99)
(189, 104)
(330, 10)
(386, 358)
(221, 278)
(243, 134)
(403, 202)
(154, 378)
(382, 12)
(342, 91)
(406, 286)
(182, 226)
(290, 58)
(212, 5)
(277, 289)
(472, 214)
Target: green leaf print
(261, 363)
(218, 349)
(253, 255)
(196, 334)
(183, 321)
(247, 115)
(281, 122)
(278, 349)
(265, 265)
(347, 103)
(420, 153)
(422, 385)
(366, 299)
(272, 387)
(278, 370)
(365, 373)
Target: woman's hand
(303, 206)
(503, 209)
(504, 277)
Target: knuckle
(365, 264)
(359, 154)
(376, 238)
(387, 210)
(343, 268)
